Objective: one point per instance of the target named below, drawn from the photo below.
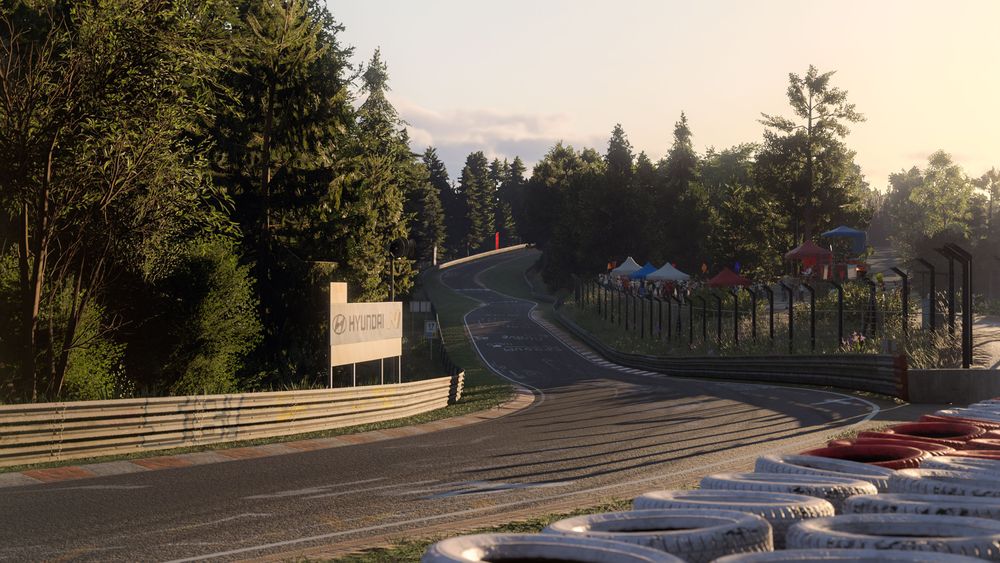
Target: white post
(382, 370)
(400, 372)
(331, 377)
(354, 375)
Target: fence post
(966, 259)
(932, 295)
(770, 311)
(791, 317)
(812, 315)
(840, 312)
(718, 319)
(905, 299)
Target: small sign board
(420, 306)
(430, 329)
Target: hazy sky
(513, 77)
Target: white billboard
(360, 332)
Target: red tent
(728, 278)
(808, 249)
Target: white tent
(627, 267)
(668, 273)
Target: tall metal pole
(770, 311)
(791, 316)
(966, 259)
(840, 310)
(753, 313)
(873, 305)
(718, 319)
(736, 316)
(812, 315)
(932, 295)
(905, 298)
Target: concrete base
(961, 386)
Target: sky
(512, 78)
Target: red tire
(929, 447)
(938, 430)
(904, 437)
(890, 457)
(839, 443)
(990, 435)
(986, 444)
(984, 424)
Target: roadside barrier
(781, 510)
(862, 372)
(941, 505)
(888, 457)
(457, 261)
(977, 537)
(532, 547)
(816, 465)
(694, 535)
(43, 432)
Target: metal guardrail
(861, 372)
(43, 432)
(456, 262)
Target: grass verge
(411, 550)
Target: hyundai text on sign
(360, 332)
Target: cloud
(456, 133)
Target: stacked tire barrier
(872, 498)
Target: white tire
(827, 487)
(521, 547)
(847, 556)
(934, 505)
(986, 415)
(695, 535)
(973, 537)
(945, 482)
(957, 463)
(781, 510)
(816, 465)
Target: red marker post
(497, 243)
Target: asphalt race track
(593, 432)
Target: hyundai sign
(360, 332)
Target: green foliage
(218, 325)
(96, 370)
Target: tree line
(180, 180)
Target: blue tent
(857, 237)
(642, 272)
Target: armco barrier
(42, 432)
(456, 262)
(861, 372)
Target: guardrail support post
(840, 312)
(812, 315)
(932, 294)
(791, 316)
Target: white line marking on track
(310, 490)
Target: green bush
(216, 324)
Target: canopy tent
(808, 249)
(728, 278)
(858, 238)
(627, 267)
(642, 272)
(668, 273)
